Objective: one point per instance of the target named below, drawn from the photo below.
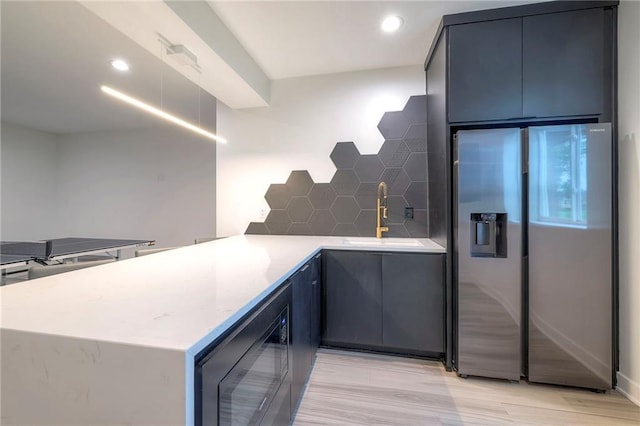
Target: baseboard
(628, 388)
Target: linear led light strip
(160, 113)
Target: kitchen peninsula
(116, 344)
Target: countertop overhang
(181, 299)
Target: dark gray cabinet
(384, 301)
(316, 301)
(353, 298)
(305, 323)
(563, 63)
(486, 70)
(539, 66)
(300, 329)
(413, 302)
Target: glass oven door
(248, 388)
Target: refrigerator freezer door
(570, 274)
(489, 189)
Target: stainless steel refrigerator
(533, 244)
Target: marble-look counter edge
(340, 243)
(280, 246)
(278, 257)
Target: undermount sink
(404, 242)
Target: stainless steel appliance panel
(570, 270)
(488, 182)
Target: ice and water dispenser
(488, 235)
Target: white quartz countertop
(180, 299)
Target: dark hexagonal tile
(366, 195)
(299, 182)
(299, 229)
(393, 125)
(418, 227)
(344, 155)
(416, 145)
(390, 175)
(369, 168)
(366, 223)
(395, 209)
(397, 231)
(345, 182)
(277, 222)
(416, 166)
(416, 131)
(322, 222)
(400, 183)
(257, 228)
(278, 196)
(416, 109)
(299, 209)
(416, 138)
(345, 230)
(416, 195)
(393, 153)
(322, 195)
(345, 209)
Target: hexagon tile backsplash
(347, 205)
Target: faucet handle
(384, 212)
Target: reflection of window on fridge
(562, 174)
(511, 177)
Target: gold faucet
(381, 208)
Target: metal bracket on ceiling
(180, 53)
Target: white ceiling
(55, 54)
(198, 28)
(300, 38)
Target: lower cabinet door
(353, 299)
(316, 302)
(413, 302)
(301, 329)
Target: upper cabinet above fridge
(485, 70)
(551, 65)
(563, 64)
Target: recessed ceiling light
(120, 65)
(391, 23)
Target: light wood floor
(349, 388)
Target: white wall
(629, 197)
(156, 183)
(28, 175)
(306, 118)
